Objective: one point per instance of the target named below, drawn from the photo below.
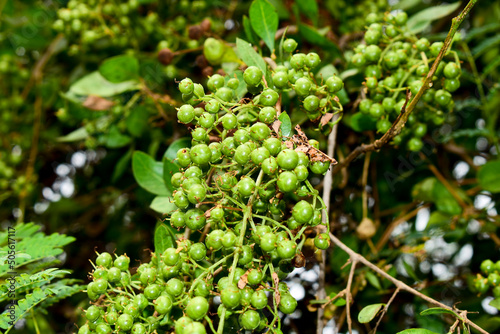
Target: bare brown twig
(327, 189)
(355, 257)
(384, 311)
(348, 294)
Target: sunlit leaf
(120, 68)
(488, 176)
(149, 173)
(369, 312)
(424, 18)
(264, 21)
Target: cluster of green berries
(351, 15)
(246, 188)
(123, 312)
(13, 116)
(394, 60)
(15, 77)
(90, 24)
(491, 278)
(297, 75)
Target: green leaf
(115, 139)
(416, 331)
(249, 55)
(485, 45)
(495, 303)
(164, 238)
(171, 152)
(264, 21)
(373, 280)
(281, 9)
(406, 4)
(360, 122)
(312, 35)
(229, 55)
(490, 68)
(310, 9)
(120, 68)
(329, 71)
(422, 191)
(369, 312)
(286, 124)
(137, 121)
(77, 135)
(423, 19)
(251, 35)
(242, 90)
(121, 166)
(488, 176)
(149, 173)
(438, 219)
(481, 30)
(410, 271)
(33, 246)
(163, 204)
(439, 310)
(169, 169)
(95, 84)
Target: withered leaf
(243, 280)
(302, 145)
(276, 126)
(97, 103)
(326, 118)
(289, 144)
(277, 297)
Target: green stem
(209, 321)
(274, 222)
(207, 271)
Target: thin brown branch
(448, 186)
(394, 130)
(37, 73)
(399, 284)
(387, 233)
(327, 190)
(348, 295)
(364, 181)
(35, 79)
(454, 327)
(384, 311)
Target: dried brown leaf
(302, 143)
(243, 280)
(276, 126)
(277, 297)
(325, 119)
(97, 103)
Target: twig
(394, 130)
(37, 73)
(387, 233)
(35, 79)
(292, 30)
(445, 182)
(454, 326)
(384, 311)
(327, 189)
(400, 122)
(348, 295)
(399, 284)
(364, 180)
